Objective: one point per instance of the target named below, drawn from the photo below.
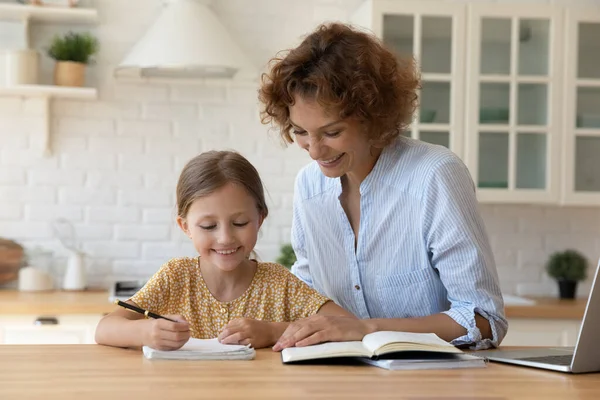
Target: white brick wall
(143, 129)
(49, 212)
(116, 161)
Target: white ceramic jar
(18, 67)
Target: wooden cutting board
(11, 260)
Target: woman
(384, 225)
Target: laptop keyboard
(555, 360)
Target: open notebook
(202, 349)
(390, 350)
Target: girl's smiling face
(223, 226)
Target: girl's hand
(250, 331)
(161, 334)
(321, 328)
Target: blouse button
(356, 287)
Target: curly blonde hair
(346, 71)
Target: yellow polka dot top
(274, 295)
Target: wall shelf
(25, 15)
(46, 93)
(21, 12)
(50, 91)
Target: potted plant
(287, 257)
(568, 268)
(72, 53)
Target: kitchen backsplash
(115, 161)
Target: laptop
(584, 358)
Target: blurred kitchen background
(512, 87)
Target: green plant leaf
(76, 47)
(569, 265)
(287, 257)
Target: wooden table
(97, 372)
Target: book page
(385, 341)
(448, 361)
(325, 350)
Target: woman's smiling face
(339, 146)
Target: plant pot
(69, 73)
(567, 289)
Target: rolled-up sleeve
(460, 251)
(300, 268)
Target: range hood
(186, 41)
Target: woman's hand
(322, 328)
(250, 331)
(162, 334)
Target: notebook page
(325, 350)
(375, 341)
(203, 349)
(210, 346)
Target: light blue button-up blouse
(422, 246)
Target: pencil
(147, 313)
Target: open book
(202, 349)
(403, 350)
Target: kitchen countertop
(548, 308)
(13, 302)
(98, 372)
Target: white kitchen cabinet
(582, 108)
(70, 329)
(528, 124)
(541, 332)
(513, 121)
(434, 33)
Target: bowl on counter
(512, 300)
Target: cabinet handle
(46, 321)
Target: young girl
(221, 293)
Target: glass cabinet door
(582, 104)
(433, 33)
(512, 121)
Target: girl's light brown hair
(348, 72)
(210, 171)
